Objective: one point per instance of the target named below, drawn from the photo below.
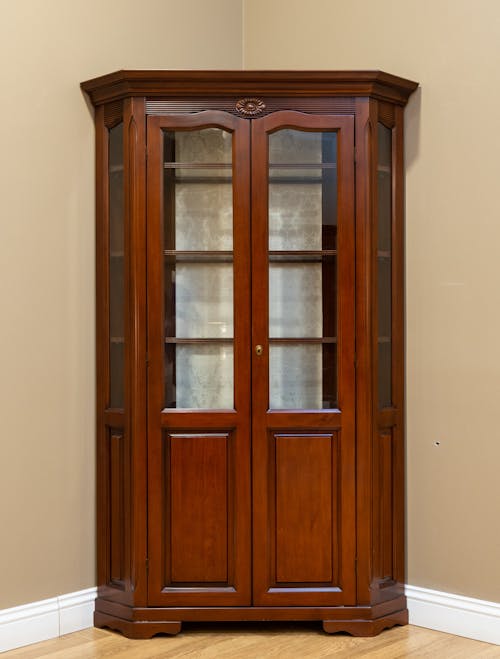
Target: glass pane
(384, 172)
(198, 275)
(298, 146)
(116, 269)
(295, 221)
(198, 214)
(384, 375)
(384, 298)
(202, 302)
(301, 303)
(302, 269)
(199, 376)
(198, 201)
(384, 265)
(208, 145)
(303, 376)
(302, 200)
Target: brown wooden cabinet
(250, 348)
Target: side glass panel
(198, 269)
(116, 269)
(384, 266)
(302, 270)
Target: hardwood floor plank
(262, 641)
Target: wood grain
(197, 475)
(304, 503)
(251, 640)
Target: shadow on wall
(412, 127)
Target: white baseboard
(445, 612)
(39, 621)
(454, 614)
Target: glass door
(303, 360)
(199, 370)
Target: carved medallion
(250, 106)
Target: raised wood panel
(305, 502)
(199, 526)
(383, 500)
(117, 509)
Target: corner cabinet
(250, 353)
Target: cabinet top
(165, 84)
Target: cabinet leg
(366, 627)
(136, 629)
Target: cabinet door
(303, 360)
(199, 370)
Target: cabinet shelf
(184, 341)
(309, 340)
(197, 165)
(273, 180)
(301, 256)
(173, 256)
(301, 165)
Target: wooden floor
(258, 641)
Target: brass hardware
(259, 350)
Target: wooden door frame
(339, 423)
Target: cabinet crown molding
(166, 84)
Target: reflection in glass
(384, 265)
(302, 376)
(199, 376)
(116, 268)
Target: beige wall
(47, 259)
(47, 255)
(452, 47)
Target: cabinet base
(366, 627)
(142, 622)
(136, 628)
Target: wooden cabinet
(250, 348)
